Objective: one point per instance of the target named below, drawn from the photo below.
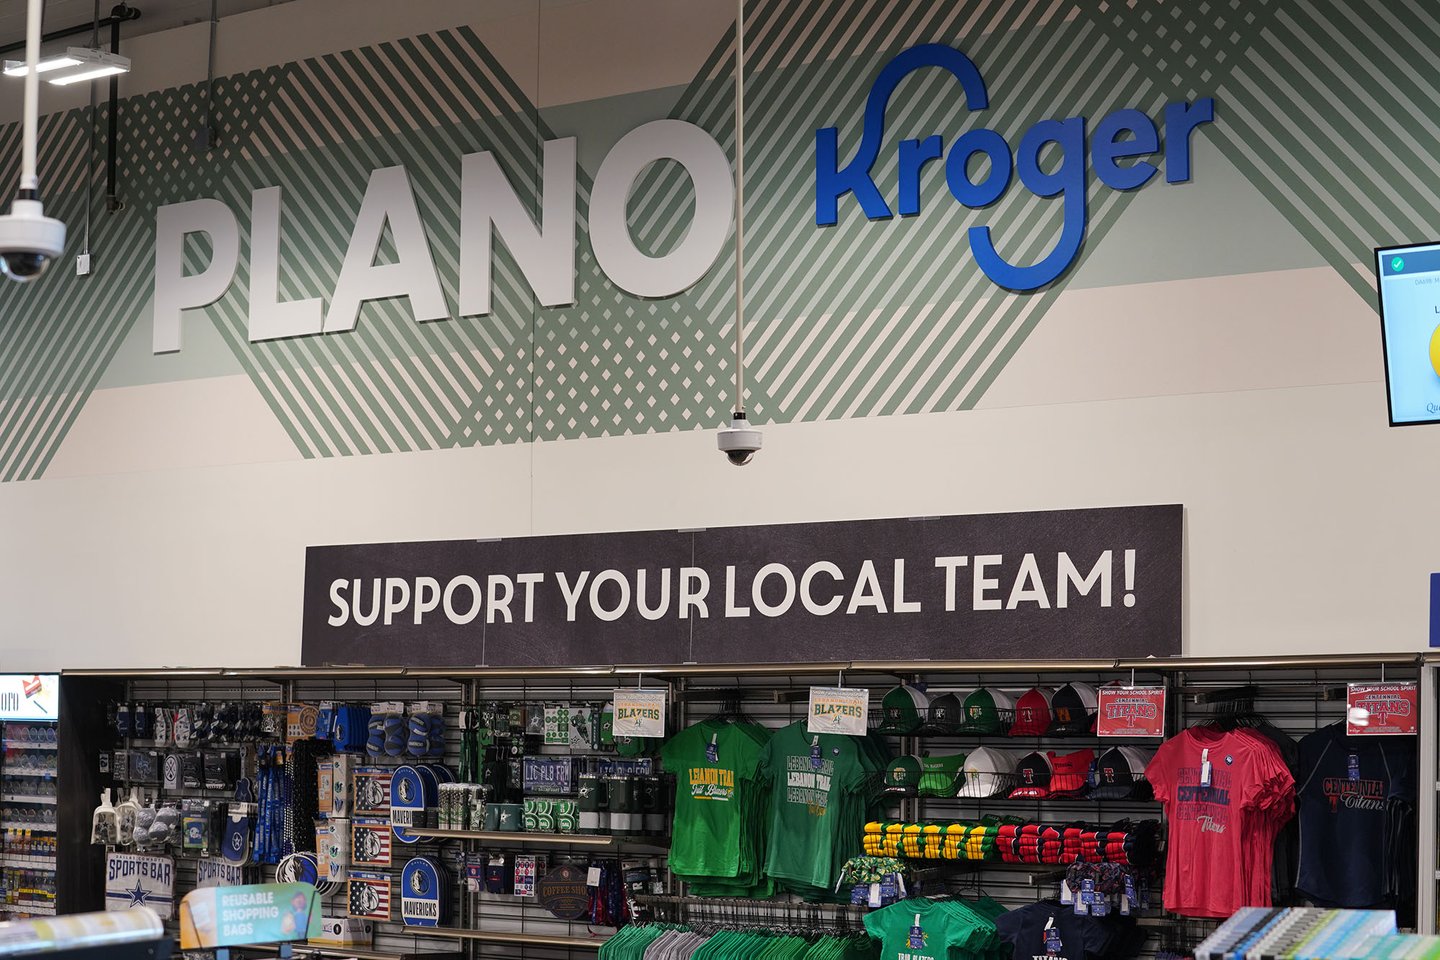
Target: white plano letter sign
(490, 207)
(844, 710)
(639, 713)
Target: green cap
(983, 712)
(901, 710)
(941, 776)
(903, 774)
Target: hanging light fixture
(739, 441)
(56, 61)
(29, 240)
(88, 64)
(75, 65)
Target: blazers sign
(544, 248)
(1098, 583)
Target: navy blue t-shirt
(1356, 799)
(1048, 929)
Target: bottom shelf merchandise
(917, 928)
(1314, 934)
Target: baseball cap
(941, 776)
(903, 709)
(986, 772)
(1032, 776)
(1140, 758)
(1070, 772)
(946, 712)
(1115, 775)
(903, 775)
(1074, 708)
(987, 711)
(1032, 713)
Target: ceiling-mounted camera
(739, 441)
(29, 240)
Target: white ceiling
(155, 15)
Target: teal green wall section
(1320, 151)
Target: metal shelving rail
(680, 677)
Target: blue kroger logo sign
(1123, 135)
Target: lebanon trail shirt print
(857, 319)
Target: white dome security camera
(29, 240)
(739, 441)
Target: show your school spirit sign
(1098, 583)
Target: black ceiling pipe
(119, 15)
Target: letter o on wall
(709, 169)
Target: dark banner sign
(1062, 583)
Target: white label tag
(843, 710)
(639, 713)
(874, 900)
(1204, 768)
(1066, 894)
(592, 877)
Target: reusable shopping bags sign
(254, 913)
(1095, 583)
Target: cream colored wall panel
(172, 426)
(206, 566)
(1284, 328)
(1308, 525)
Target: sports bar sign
(1100, 582)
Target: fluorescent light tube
(18, 68)
(95, 74)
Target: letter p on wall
(175, 291)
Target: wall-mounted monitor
(29, 696)
(1409, 281)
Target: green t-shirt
(811, 776)
(714, 763)
(927, 930)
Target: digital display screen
(29, 696)
(1409, 282)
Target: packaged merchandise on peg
(425, 729)
(126, 812)
(104, 825)
(387, 730)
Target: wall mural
(1316, 104)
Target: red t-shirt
(1221, 835)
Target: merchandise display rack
(1295, 693)
(28, 801)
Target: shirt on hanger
(1354, 793)
(1222, 818)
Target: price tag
(843, 710)
(639, 713)
(592, 877)
(1205, 768)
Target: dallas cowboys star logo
(138, 896)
